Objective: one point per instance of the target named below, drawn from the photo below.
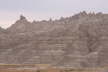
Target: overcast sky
(44, 9)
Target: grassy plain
(45, 68)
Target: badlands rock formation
(76, 41)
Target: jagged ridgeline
(77, 41)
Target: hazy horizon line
(47, 19)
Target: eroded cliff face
(77, 41)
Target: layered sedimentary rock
(77, 41)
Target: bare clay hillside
(80, 40)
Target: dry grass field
(50, 70)
(33, 68)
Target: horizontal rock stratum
(80, 40)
